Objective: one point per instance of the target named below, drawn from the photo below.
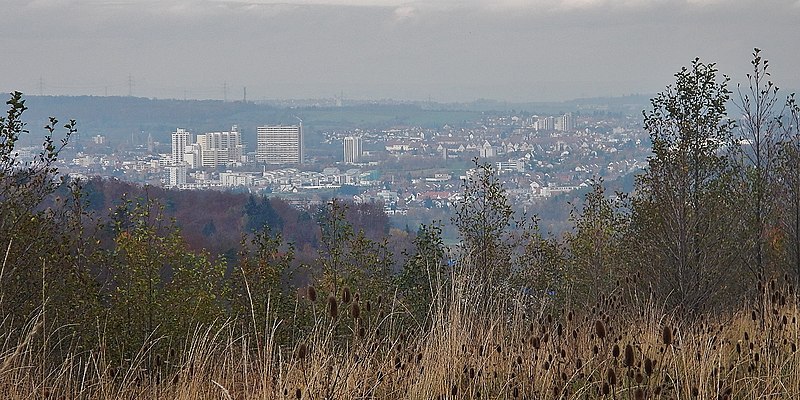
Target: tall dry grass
(470, 348)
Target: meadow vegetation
(684, 288)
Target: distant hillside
(127, 120)
(121, 117)
(630, 104)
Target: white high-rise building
(220, 148)
(233, 142)
(545, 124)
(565, 123)
(177, 176)
(191, 156)
(280, 144)
(180, 139)
(352, 149)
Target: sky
(445, 50)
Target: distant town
(407, 168)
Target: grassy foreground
(469, 349)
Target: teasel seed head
(666, 335)
(606, 389)
(600, 329)
(345, 295)
(312, 294)
(611, 377)
(629, 355)
(333, 307)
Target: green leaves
(683, 210)
(160, 286)
(597, 244)
(425, 274)
(483, 219)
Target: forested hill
(121, 117)
(216, 221)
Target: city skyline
(377, 49)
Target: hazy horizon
(446, 51)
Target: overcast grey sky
(447, 50)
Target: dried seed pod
(333, 307)
(345, 295)
(611, 377)
(600, 329)
(629, 355)
(605, 389)
(312, 294)
(666, 335)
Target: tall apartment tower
(220, 148)
(352, 149)
(180, 139)
(177, 176)
(565, 123)
(234, 144)
(280, 144)
(545, 124)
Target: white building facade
(180, 139)
(280, 144)
(352, 149)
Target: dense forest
(681, 288)
(216, 221)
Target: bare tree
(758, 138)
